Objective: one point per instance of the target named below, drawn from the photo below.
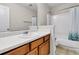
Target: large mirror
(19, 16)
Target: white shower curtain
(63, 24)
(67, 22)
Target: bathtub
(68, 44)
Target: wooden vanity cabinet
(44, 48)
(36, 43)
(33, 52)
(40, 46)
(46, 37)
(20, 50)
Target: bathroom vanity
(38, 45)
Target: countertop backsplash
(10, 33)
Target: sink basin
(28, 35)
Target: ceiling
(54, 4)
(33, 6)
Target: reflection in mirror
(4, 18)
(17, 16)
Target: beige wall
(19, 14)
(43, 10)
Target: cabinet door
(44, 48)
(33, 52)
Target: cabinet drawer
(19, 51)
(47, 37)
(33, 52)
(36, 43)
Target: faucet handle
(8, 29)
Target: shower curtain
(67, 24)
(73, 34)
(62, 22)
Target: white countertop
(11, 42)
